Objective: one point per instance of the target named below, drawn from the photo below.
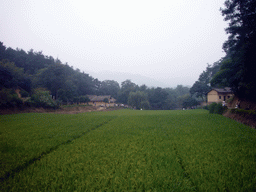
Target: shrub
(9, 99)
(211, 107)
(219, 109)
(216, 108)
(41, 98)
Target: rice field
(126, 150)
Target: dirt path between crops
(64, 110)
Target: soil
(247, 120)
(243, 104)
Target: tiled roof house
(99, 99)
(219, 95)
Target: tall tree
(138, 100)
(181, 90)
(13, 77)
(199, 89)
(84, 84)
(96, 86)
(127, 86)
(158, 98)
(53, 78)
(109, 87)
(189, 102)
(202, 86)
(2, 51)
(240, 47)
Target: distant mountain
(121, 76)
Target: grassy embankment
(127, 150)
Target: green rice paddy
(126, 150)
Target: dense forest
(237, 68)
(46, 82)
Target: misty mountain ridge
(122, 76)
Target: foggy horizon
(169, 42)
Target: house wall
(224, 96)
(214, 96)
(101, 103)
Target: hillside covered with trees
(47, 82)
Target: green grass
(26, 137)
(127, 150)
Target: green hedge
(217, 108)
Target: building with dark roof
(218, 95)
(97, 100)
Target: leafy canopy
(239, 70)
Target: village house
(219, 95)
(96, 100)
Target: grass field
(126, 150)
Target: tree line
(39, 76)
(237, 68)
(48, 82)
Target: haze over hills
(122, 76)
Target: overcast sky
(166, 40)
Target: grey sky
(169, 41)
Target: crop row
(25, 138)
(148, 151)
